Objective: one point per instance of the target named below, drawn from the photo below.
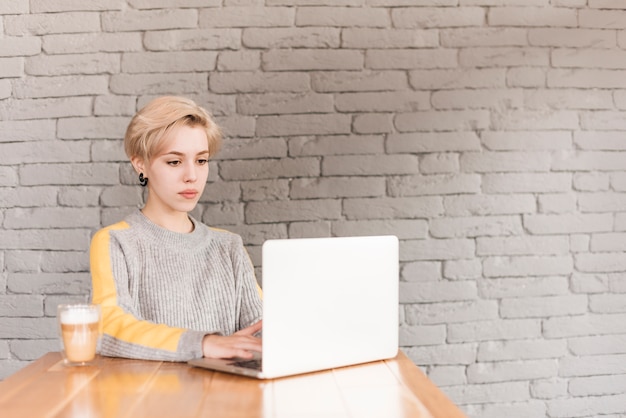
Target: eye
(203, 161)
(174, 163)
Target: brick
(239, 61)
(79, 196)
(431, 17)
(5, 89)
(452, 120)
(439, 163)
(544, 306)
(451, 312)
(253, 148)
(168, 62)
(85, 43)
(522, 245)
(382, 102)
(601, 262)
(392, 208)
(121, 196)
(469, 394)
(320, 124)
(477, 226)
(539, 120)
(526, 182)
(608, 242)
(269, 169)
(366, 165)
(597, 344)
(571, 38)
(93, 127)
(350, 81)
(11, 67)
(242, 17)
(440, 291)
(606, 4)
(313, 2)
(368, 38)
(588, 160)
(114, 106)
(500, 329)
(568, 99)
(592, 365)
(602, 202)
(8, 176)
(44, 87)
(437, 249)
(48, 151)
(308, 37)
(462, 269)
(589, 283)
(336, 187)
(607, 303)
(137, 20)
(436, 184)
(458, 78)
(511, 371)
(28, 328)
(309, 229)
(47, 23)
(403, 59)
(527, 141)
(589, 58)
(33, 349)
(193, 39)
(422, 335)
(420, 271)
(586, 78)
(557, 203)
(55, 65)
(20, 131)
(336, 145)
(598, 385)
(602, 19)
(472, 37)
(532, 16)
(14, 7)
(433, 142)
(166, 4)
(485, 162)
(516, 266)
(172, 83)
(549, 389)
(28, 109)
(281, 103)
(579, 243)
(488, 205)
(28, 196)
(246, 82)
(223, 214)
(447, 354)
(312, 59)
(521, 350)
(22, 306)
(44, 6)
(525, 409)
(297, 210)
(526, 77)
(585, 325)
(66, 174)
(504, 56)
(477, 99)
(523, 287)
(373, 123)
(20, 46)
(257, 234)
(402, 228)
(342, 17)
(236, 126)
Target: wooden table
(137, 388)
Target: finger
(251, 329)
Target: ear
(138, 164)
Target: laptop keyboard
(249, 364)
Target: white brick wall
(487, 134)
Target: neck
(175, 221)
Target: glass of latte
(79, 325)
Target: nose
(190, 174)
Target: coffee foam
(79, 316)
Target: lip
(189, 193)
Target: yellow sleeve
(116, 321)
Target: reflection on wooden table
(138, 388)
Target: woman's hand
(241, 344)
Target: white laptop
(327, 302)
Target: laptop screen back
(329, 302)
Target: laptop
(327, 303)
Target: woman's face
(178, 173)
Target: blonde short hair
(152, 124)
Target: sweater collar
(165, 237)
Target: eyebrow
(178, 153)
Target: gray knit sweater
(161, 292)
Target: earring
(143, 180)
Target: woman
(170, 287)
